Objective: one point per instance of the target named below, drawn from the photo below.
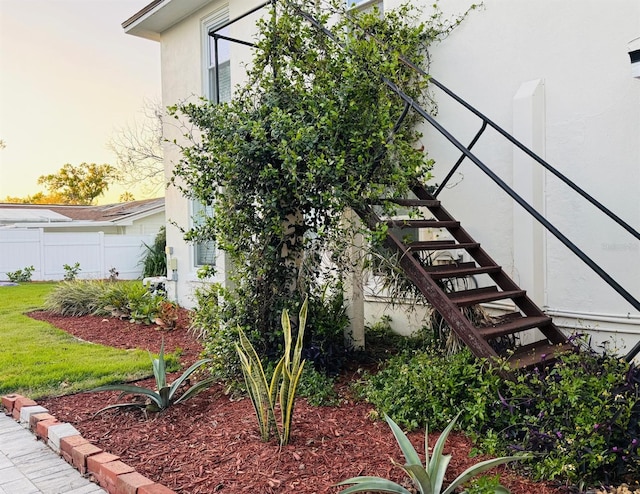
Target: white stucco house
(556, 75)
(99, 238)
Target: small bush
(21, 275)
(415, 386)
(219, 338)
(317, 388)
(582, 416)
(71, 272)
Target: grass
(37, 359)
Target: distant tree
(138, 149)
(80, 184)
(126, 197)
(38, 198)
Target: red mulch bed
(211, 443)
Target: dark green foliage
(317, 388)
(154, 261)
(313, 133)
(427, 385)
(580, 417)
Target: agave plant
(284, 381)
(427, 478)
(165, 396)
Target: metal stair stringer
(428, 279)
(431, 291)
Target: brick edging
(91, 461)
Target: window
(365, 5)
(217, 87)
(217, 77)
(204, 252)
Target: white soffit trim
(159, 16)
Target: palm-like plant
(427, 478)
(165, 396)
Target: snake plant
(427, 478)
(165, 396)
(284, 381)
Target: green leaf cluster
(21, 275)
(313, 133)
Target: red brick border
(107, 469)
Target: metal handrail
(466, 153)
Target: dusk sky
(69, 78)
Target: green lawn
(37, 359)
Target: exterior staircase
(437, 282)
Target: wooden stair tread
(427, 203)
(480, 295)
(441, 245)
(415, 259)
(432, 223)
(514, 325)
(536, 353)
(459, 270)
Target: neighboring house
(557, 75)
(98, 237)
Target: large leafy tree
(81, 184)
(313, 133)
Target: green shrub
(414, 386)
(145, 308)
(324, 343)
(154, 261)
(76, 298)
(21, 275)
(317, 388)
(219, 337)
(115, 299)
(581, 417)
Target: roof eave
(159, 15)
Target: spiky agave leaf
(372, 484)
(185, 375)
(159, 368)
(437, 466)
(130, 389)
(478, 468)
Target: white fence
(47, 252)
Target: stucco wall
(587, 116)
(182, 59)
(557, 74)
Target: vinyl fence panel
(48, 252)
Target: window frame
(209, 23)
